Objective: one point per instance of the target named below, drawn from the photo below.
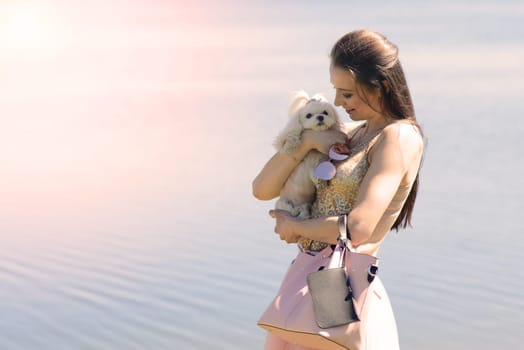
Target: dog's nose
(320, 118)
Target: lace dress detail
(338, 195)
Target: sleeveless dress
(338, 196)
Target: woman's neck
(375, 124)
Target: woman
(377, 185)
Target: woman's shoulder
(406, 133)
(405, 136)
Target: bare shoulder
(403, 136)
(406, 134)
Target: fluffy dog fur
(314, 113)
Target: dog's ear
(298, 101)
(293, 127)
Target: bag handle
(344, 242)
(344, 237)
(338, 257)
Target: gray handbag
(330, 288)
(332, 297)
(312, 300)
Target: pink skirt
(381, 329)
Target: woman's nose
(336, 102)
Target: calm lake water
(128, 149)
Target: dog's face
(317, 115)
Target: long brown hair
(373, 61)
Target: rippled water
(127, 220)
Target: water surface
(128, 149)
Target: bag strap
(344, 243)
(344, 237)
(338, 257)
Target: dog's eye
(309, 115)
(325, 113)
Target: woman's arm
(290, 229)
(394, 160)
(271, 179)
(398, 151)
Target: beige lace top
(338, 195)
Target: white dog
(314, 113)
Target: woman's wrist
(297, 228)
(291, 156)
(307, 141)
(322, 229)
(301, 151)
(298, 153)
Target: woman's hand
(285, 225)
(322, 140)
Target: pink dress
(335, 197)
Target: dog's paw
(303, 211)
(295, 212)
(293, 139)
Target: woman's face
(348, 98)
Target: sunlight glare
(27, 26)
